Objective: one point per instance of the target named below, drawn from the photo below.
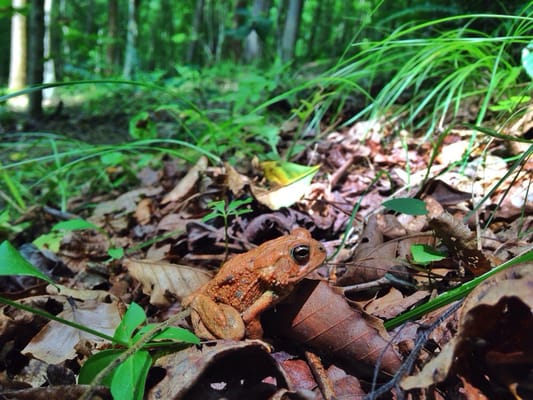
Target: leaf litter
(327, 340)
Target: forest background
(98, 97)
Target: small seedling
(221, 209)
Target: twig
(407, 365)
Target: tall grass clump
(430, 72)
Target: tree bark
(290, 31)
(49, 75)
(130, 58)
(112, 29)
(18, 56)
(253, 47)
(36, 57)
(192, 50)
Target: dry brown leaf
(393, 303)
(461, 243)
(78, 294)
(56, 342)
(187, 183)
(235, 181)
(125, 203)
(143, 212)
(322, 319)
(63, 392)
(492, 349)
(160, 278)
(222, 370)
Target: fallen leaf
(222, 370)
(317, 316)
(159, 278)
(187, 183)
(56, 342)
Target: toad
(229, 306)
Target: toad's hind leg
(213, 320)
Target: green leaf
(142, 126)
(116, 253)
(134, 317)
(210, 216)
(424, 254)
(171, 333)
(49, 241)
(12, 263)
(97, 363)
(113, 158)
(129, 378)
(74, 225)
(235, 204)
(406, 205)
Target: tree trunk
(49, 75)
(253, 47)
(17, 65)
(36, 57)
(130, 58)
(192, 50)
(112, 29)
(290, 31)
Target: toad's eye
(300, 254)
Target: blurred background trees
(119, 38)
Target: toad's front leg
(252, 315)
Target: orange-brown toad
(229, 306)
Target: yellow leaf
(284, 172)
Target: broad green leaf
(129, 378)
(134, 317)
(12, 263)
(406, 205)
(74, 225)
(97, 363)
(171, 333)
(424, 254)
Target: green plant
(124, 368)
(427, 72)
(222, 209)
(456, 293)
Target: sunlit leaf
(283, 172)
(49, 241)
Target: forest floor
(332, 337)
